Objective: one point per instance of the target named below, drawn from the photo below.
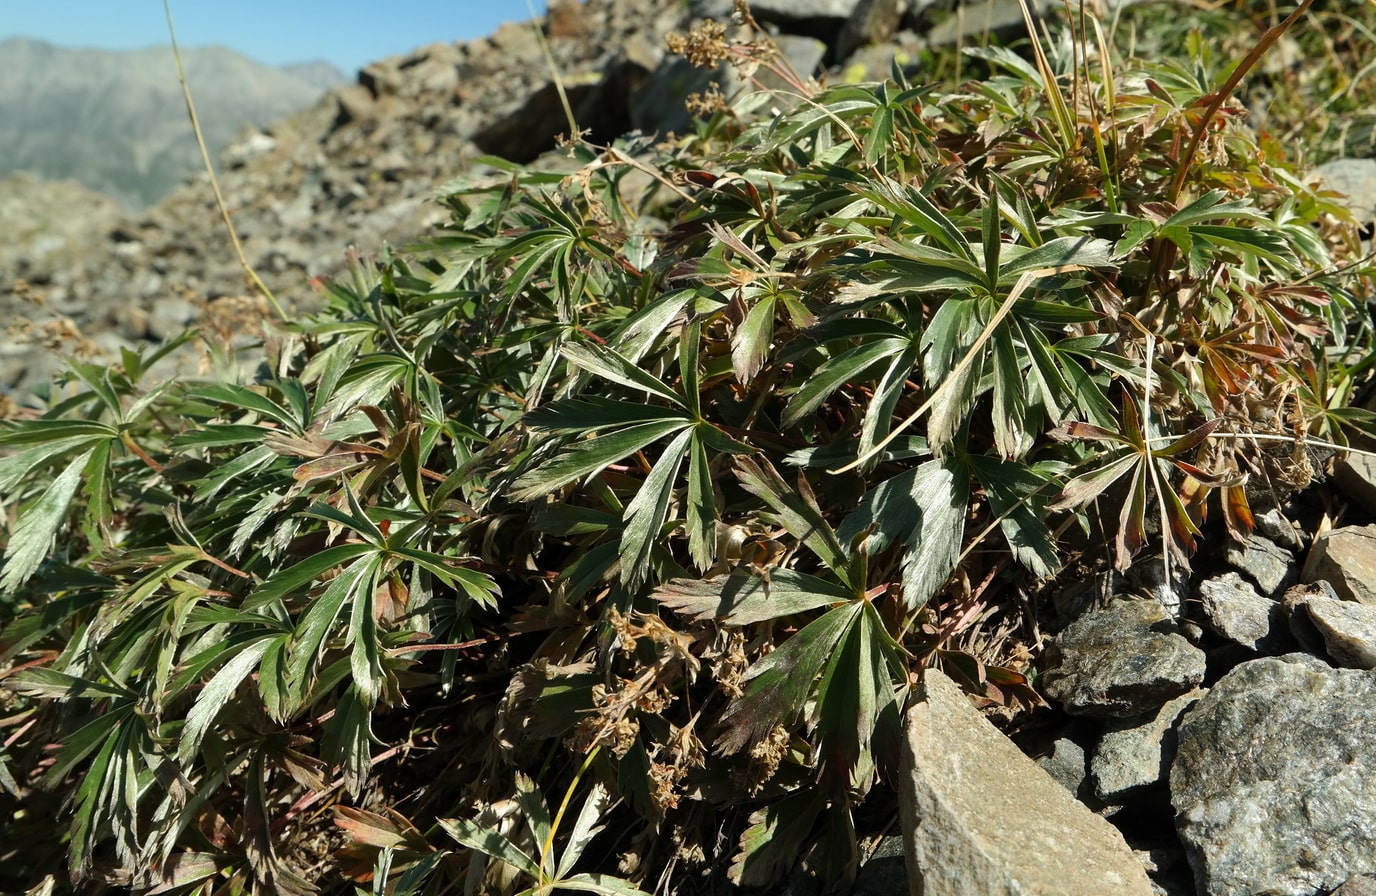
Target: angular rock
(1355, 474)
(1356, 180)
(1346, 558)
(872, 22)
(1348, 630)
(885, 872)
(1123, 660)
(1268, 565)
(1136, 753)
(1065, 763)
(1235, 610)
(1304, 630)
(1358, 885)
(968, 798)
(1274, 781)
(1277, 526)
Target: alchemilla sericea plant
(604, 539)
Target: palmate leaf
(779, 685)
(745, 597)
(857, 687)
(923, 508)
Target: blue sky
(348, 33)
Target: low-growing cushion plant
(651, 484)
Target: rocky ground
(1204, 736)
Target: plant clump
(651, 484)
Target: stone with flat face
(1274, 780)
(982, 818)
(1123, 660)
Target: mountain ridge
(115, 121)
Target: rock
(1355, 474)
(1136, 753)
(793, 11)
(978, 17)
(968, 795)
(1277, 526)
(1233, 608)
(1066, 764)
(1358, 885)
(1124, 660)
(885, 872)
(1270, 566)
(1274, 781)
(1348, 630)
(1346, 558)
(1304, 630)
(1356, 180)
(872, 22)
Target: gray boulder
(1356, 180)
(1233, 608)
(982, 818)
(1274, 781)
(1136, 753)
(1123, 660)
(1266, 564)
(1345, 557)
(1348, 630)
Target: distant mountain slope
(116, 122)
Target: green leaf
(701, 509)
(1019, 494)
(595, 412)
(348, 735)
(295, 578)
(591, 456)
(779, 684)
(37, 526)
(536, 814)
(489, 842)
(320, 617)
(243, 399)
(648, 510)
(915, 208)
(602, 884)
(925, 509)
(216, 694)
(16, 467)
(796, 509)
(856, 687)
(610, 366)
(777, 835)
(745, 597)
(585, 828)
(1079, 251)
(750, 343)
(834, 372)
